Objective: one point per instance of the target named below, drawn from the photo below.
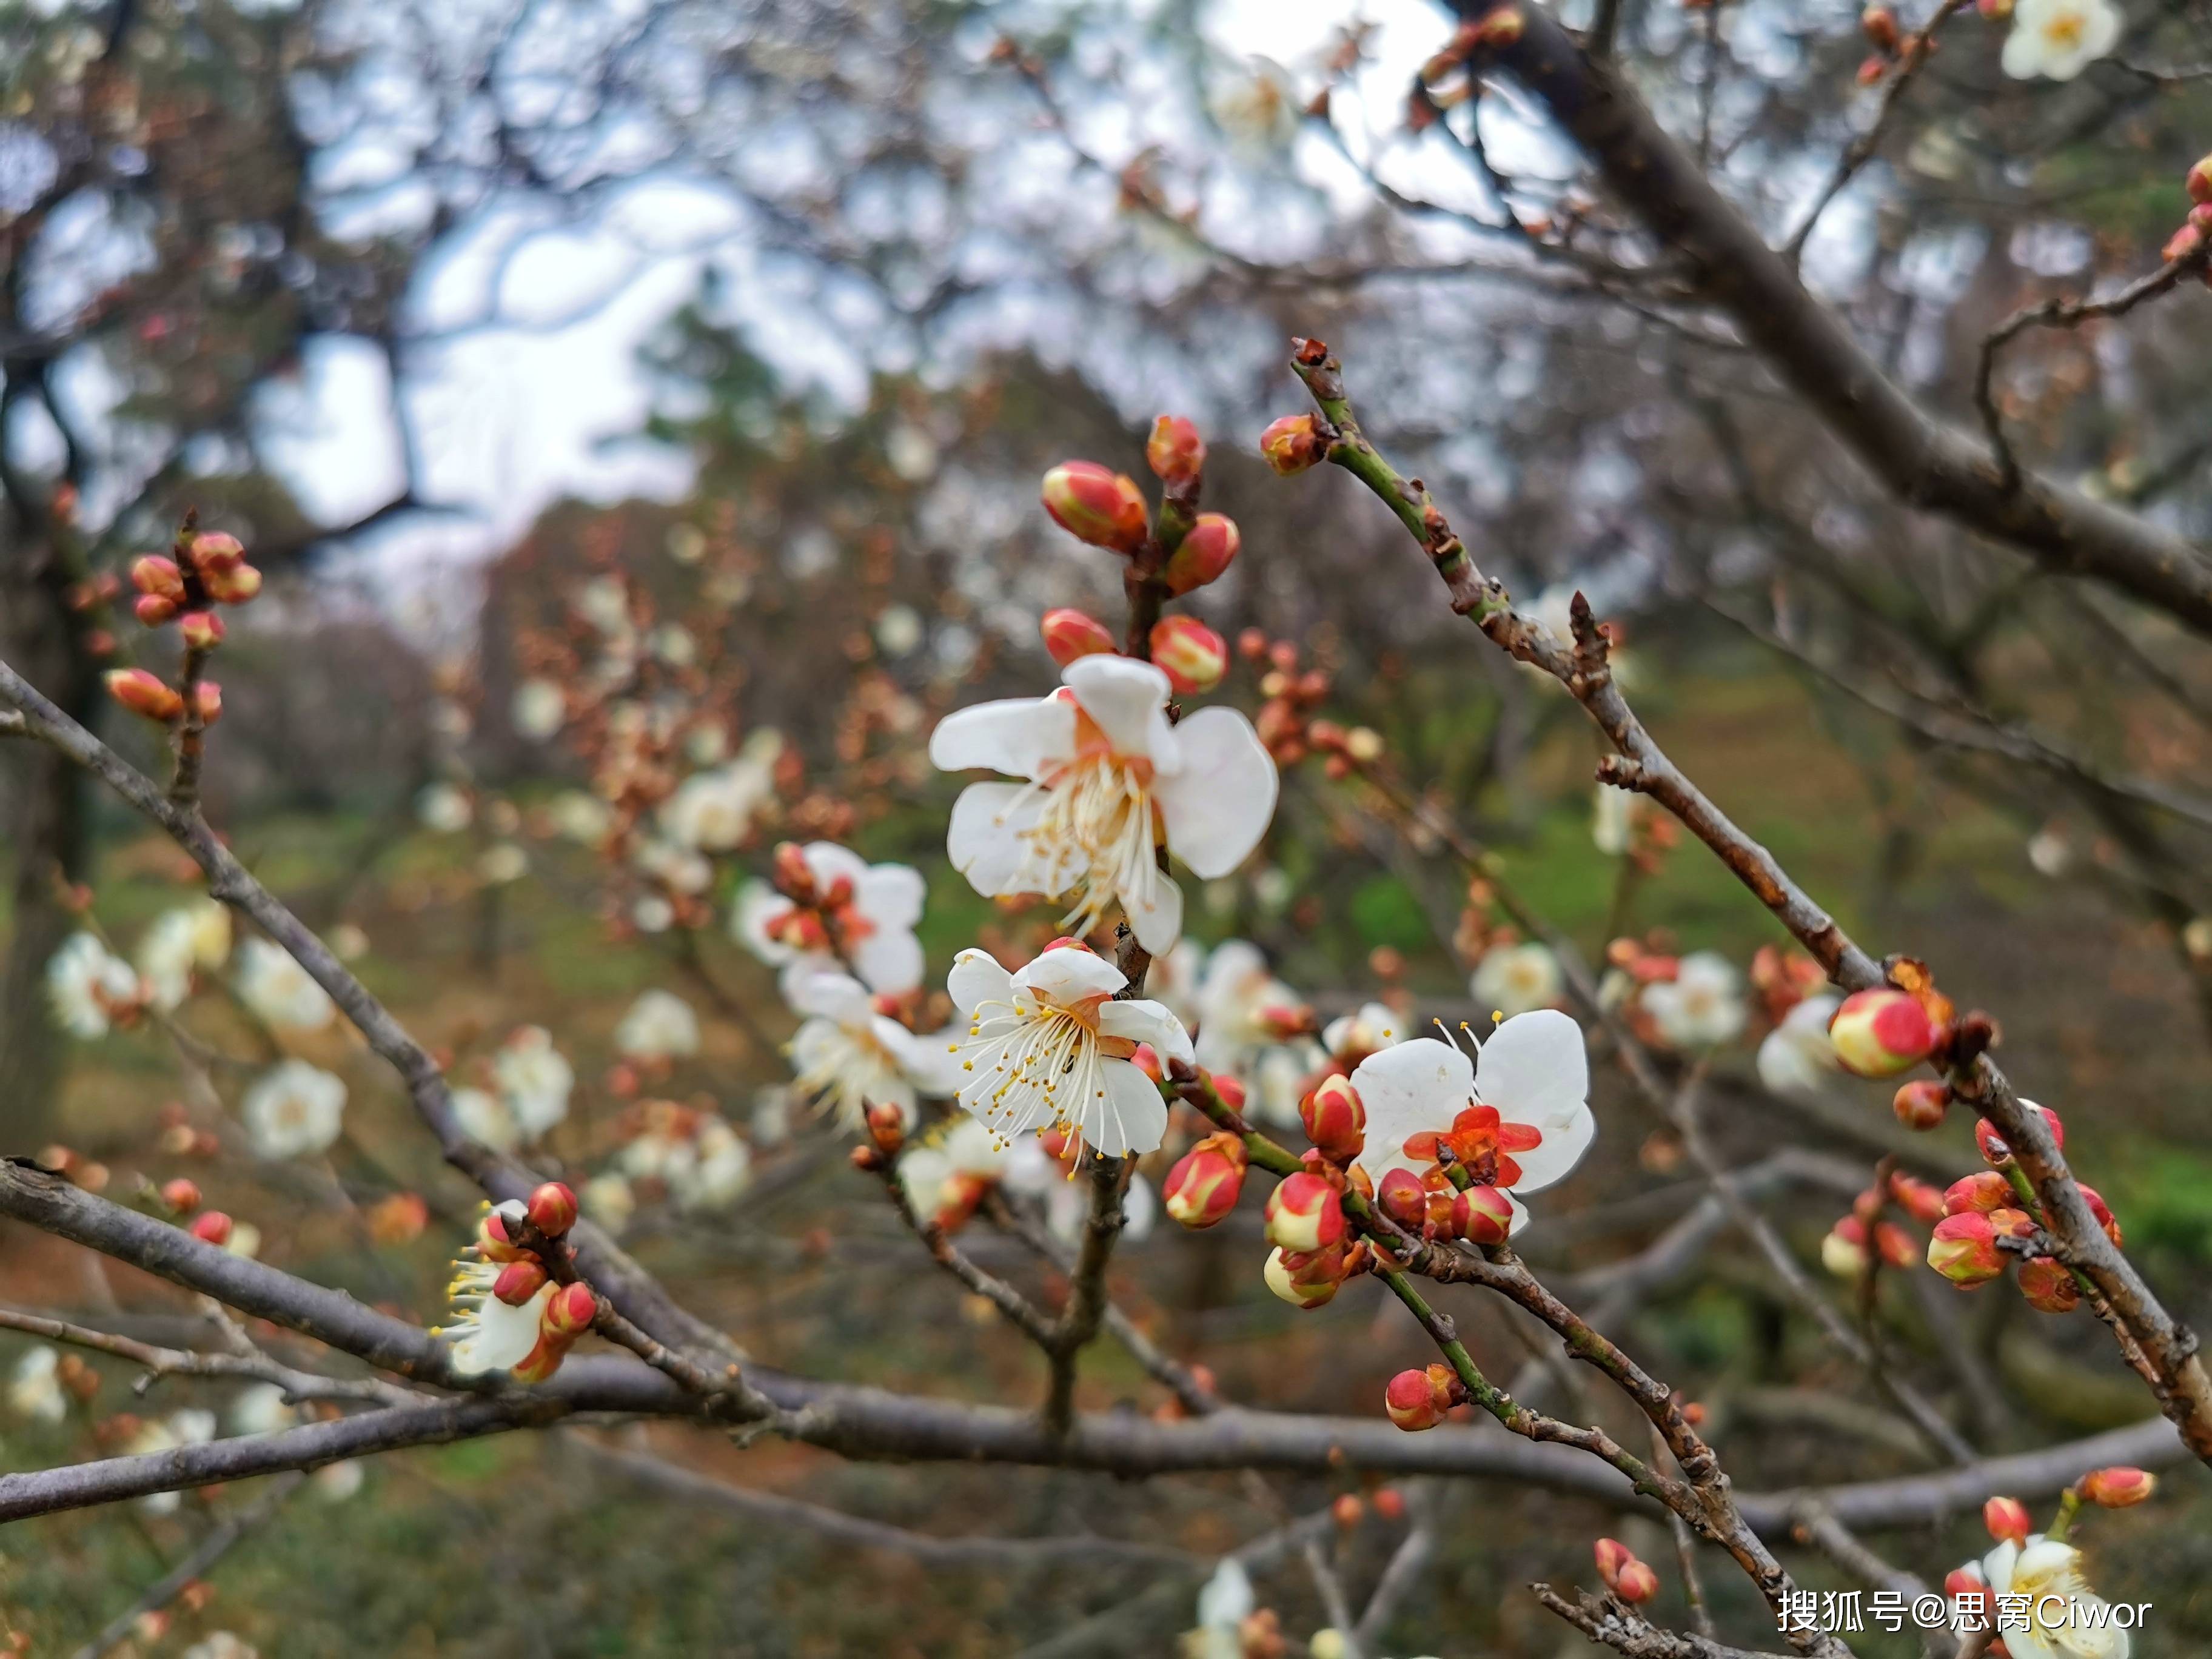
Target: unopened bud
(1401, 1195)
(1334, 1119)
(793, 875)
(1982, 1191)
(202, 630)
(2007, 1520)
(569, 1310)
(181, 1195)
(145, 693)
(2048, 1287)
(1969, 1596)
(1096, 505)
(1964, 1249)
(493, 1241)
(1390, 1504)
(1920, 1201)
(1206, 549)
(1305, 1278)
(157, 578)
(2105, 1219)
(153, 611)
(213, 552)
(1895, 1245)
(1175, 452)
(1206, 1182)
(1304, 1213)
(887, 1126)
(1482, 1215)
(211, 1227)
(2184, 244)
(1192, 655)
(1347, 1511)
(1880, 23)
(207, 697)
(1882, 1032)
(1418, 1400)
(1638, 1583)
(2199, 182)
(1069, 634)
(1611, 1556)
(1230, 1091)
(553, 1208)
(2009, 1223)
(1843, 1251)
(1292, 444)
(232, 587)
(2118, 1488)
(1993, 1147)
(1921, 1103)
(518, 1281)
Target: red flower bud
(1638, 1583)
(887, 1126)
(1896, 1245)
(1096, 505)
(1921, 1103)
(1203, 554)
(2200, 181)
(1175, 452)
(1982, 1191)
(144, 693)
(2048, 1286)
(2007, 1520)
(1335, 1119)
(569, 1310)
(1482, 1215)
(1401, 1196)
(2118, 1488)
(1611, 1555)
(1292, 444)
(1418, 1400)
(1192, 655)
(213, 552)
(1230, 1091)
(1390, 1504)
(1965, 1250)
(232, 587)
(1844, 1250)
(1920, 1201)
(1882, 1032)
(1880, 23)
(1069, 634)
(1992, 1143)
(202, 630)
(152, 610)
(1304, 1214)
(1206, 1182)
(492, 1239)
(1305, 1278)
(518, 1281)
(157, 577)
(1347, 1511)
(182, 1195)
(2104, 1214)
(207, 697)
(1968, 1596)
(2184, 243)
(211, 1227)
(553, 1208)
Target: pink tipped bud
(1192, 655)
(2048, 1287)
(1611, 1555)
(1881, 1033)
(2200, 181)
(2118, 1488)
(1304, 1213)
(232, 587)
(1305, 1278)
(1230, 1091)
(214, 553)
(1418, 1400)
(1207, 550)
(1175, 452)
(569, 1310)
(492, 1240)
(1993, 1147)
(1335, 1119)
(1206, 1182)
(518, 1281)
(202, 630)
(2007, 1520)
(157, 578)
(1981, 1192)
(181, 1195)
(144, 693)
(1964, 1249)
(2105, 1219)
(1069, 634)
(211, 1227)
(1482, 1215)
(2185, 243)
(1638, 1583)
(1401, 1196)
(887, 1126)
(1880, 23)
(1292, 444)
(153, 610)
(542, 1361)
(1968, 1595)
(1920, 1201)
(553, 1208)
(207, 697)
(1895, 1245)
(1097, 505)
(1843, 1251)
(1921, 1103)
(793, 876)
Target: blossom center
(1096, 834)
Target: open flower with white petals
(866, 912)
(1517, 979)
(1702, 1006)
(1109, 781)
(711, 811)
(1516, 1116)
(1349, 1038)
(35, 1392)
(487, 1333)
(1049, 1048)
(2059, 38)
(1797, 1059)
(849, 1055)
(89, 986)
(181, 942)
(1243, 1010)
(660, 1026)
(534, 1080)
(2064, 1618)
(294, 1110)
(280, 992)
(945, 1176)
(483, 1117)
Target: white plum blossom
(582, 818)
(660, 1026)
(180, 942)
(334, 1483)
(1048, 1046)
(1106, 775)
(534, 1079)
(1237, 999)
(539, 709)
(88, 985)
(280, 993)
(711, 811)
(1796, 1059)
(947, 1171)
(445, 809)
(1225, 1602)
(1532, 1075)
(1612, 819)
(871, 907)
(261, 1408)
(2064, 1618)
(503, 862)
(704, 1162)
(488, 1335)
(604, 602)
(848, 1056)
(1351, 1037)
(483, 1117)
(1702, 1006)
(609, 1200)
(35, 1392)
(2059, 38)
(1516, 979)
(294, 1110)
(676, 867)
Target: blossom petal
(890, 960)
(1220, 803)
(1155, 916)
(1419, 1085)
(1065, 975)
(1141, 1020)
(829, 864)
(757, 905)
(985, 840)
(890, 895)
(1128, 700)
(1131, 1118)
(1535, 1069)
(838, 997)
(1562, 1148)
(977, 978)
(1019, 735)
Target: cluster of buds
(1783, 979)
(2193, 241)
(1893, 43)
(1421, 1400)
(1192, 655)
(181, 1198)
(1179, 547)
(208, 569)
(1286, 721)
(1985, 1208)
(1858, 1238)
(521, 1307)
(1626, 1576)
